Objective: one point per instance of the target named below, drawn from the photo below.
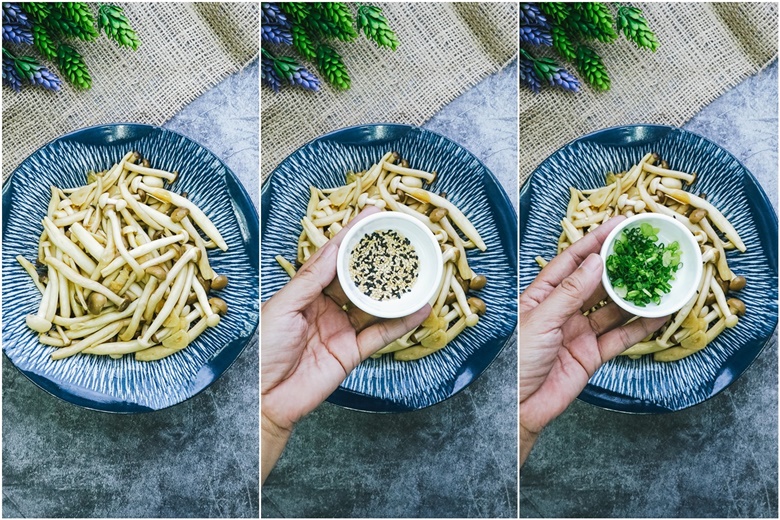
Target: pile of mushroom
(391, 185)
(123, 268)
(651, 186)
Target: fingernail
(592, 263)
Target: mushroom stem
(116, 347)
(455, 214)
(144, 249)
(713, 213)
(720, 299)
(60, 241)
(84, 282)
(178, 286)
(196, 213)
(93, 339)
(141, 303)
(137, 168)
(38, 321)
(27, 266)
(429, 177)
(203, 262)
(212, 319)
(120, 245)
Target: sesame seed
(384, 265)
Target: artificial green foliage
(634, 26)
(563, 43)
(590, 65)
(70, 20)
(374, 25)
(579, 25)
(600, 18)
(556, 11)
(43, 42)
(113, 21)
(72, 65)
(298, 11)
(303, 43)
(38, 11)
(317, 32)
(331, 66)
(576, 31)
(339, 18)
(80, 16)
(56, 27)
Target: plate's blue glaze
(386, 385)
(643, 385)
(125, 385)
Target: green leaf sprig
(317, 30)
(113, 21)
(59, 28)
(575, 29)
(72, 65)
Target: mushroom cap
(218, 305)
(37, 323)
(96, 302)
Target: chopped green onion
(642, 265)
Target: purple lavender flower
(303, 78)
(276, 34)
(268, 75)
(12, 13)
(11, 76)
(29, 69)
(536, 36)
(18, 34)
(528, 75)
(45, 78)
(531, 15)
(563, 78)
(271, 14)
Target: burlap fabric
(445, 48)
(705, 48)
(185, 49)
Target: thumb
(385, 332)
(572, 293)
(309, 282)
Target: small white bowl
(686, 279)
(428, 253)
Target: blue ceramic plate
(386, 385)
(643, 385)
(125, 385)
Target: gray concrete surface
(197, 459)
(456, 459)
(717, 459)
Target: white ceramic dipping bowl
(686, 279)
(428, 253)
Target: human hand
(310, 344)
(560, 349)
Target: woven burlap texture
(185, 49)
(705, 48)
(445, 48)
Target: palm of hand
(314, 353)
(560, 374)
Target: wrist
(273, 439)
(527, 440)
(271, 431)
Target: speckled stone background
(456, 459)
(717, 459)
(197, 459)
